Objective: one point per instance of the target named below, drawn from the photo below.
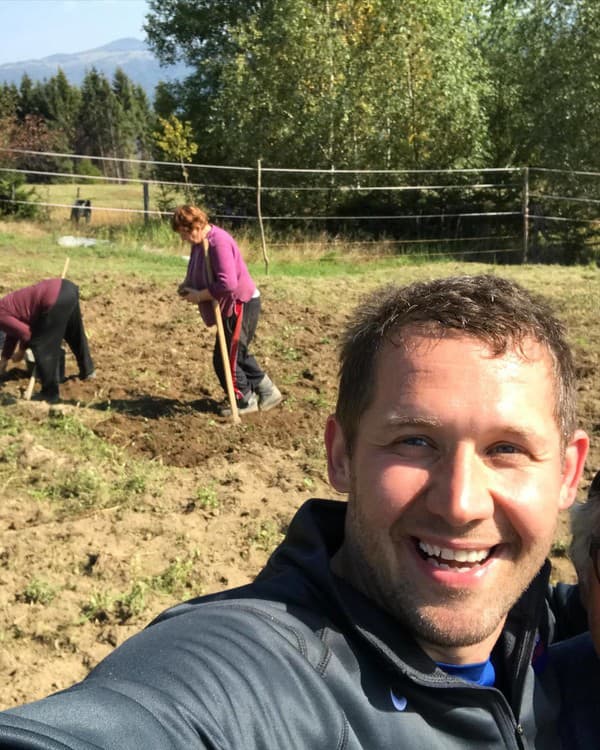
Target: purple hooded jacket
(231, 280)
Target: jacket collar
(316, 533)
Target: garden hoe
(235, 417)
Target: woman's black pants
(61, 321)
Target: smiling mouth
(460, 560)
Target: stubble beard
(458, 618)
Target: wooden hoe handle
(235, 417)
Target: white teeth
(443, 566)
(460, 555)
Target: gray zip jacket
(297, 660)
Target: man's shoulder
(243, 611)
(285, 615)
(567, 614)
(577, 669)
(284, 611)
(213, 673)
(574, 653)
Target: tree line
(111, 119)
(384, 84)
(340, 84)
(346, 83)
(381, 84)
(104, 128)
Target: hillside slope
(131, 55)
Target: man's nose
(460, 491)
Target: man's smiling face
(455, 480)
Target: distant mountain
(131, 55)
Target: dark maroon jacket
(19, 311)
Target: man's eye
(506, 448)
(416, 441)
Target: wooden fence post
(146, 202)
(260, 221)
(525, 210)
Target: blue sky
(31, 29)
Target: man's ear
(575, 456)
(338, 462)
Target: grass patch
(267, 536)
(99, 606)
(37, 591)
(9, 425)
(121, 254)
(174, 579)
(153, 251)
(75, 491)
(135, 484)
(104, 196)
(131, 604)
(64, 430)
(339, 265)
(207, 498)
(65, 464)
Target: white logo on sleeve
(399, 703)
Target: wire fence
(513, 214)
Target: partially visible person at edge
(40, 317)
(577, 660)
(417, 614)
(239, 301)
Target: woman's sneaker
(245, 406)
(269, 394)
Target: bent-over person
(40, 317)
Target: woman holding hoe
(220, 274)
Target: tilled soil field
(134, 493)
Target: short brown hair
(187, 217)
(498, 312)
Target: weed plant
(38, 591)
(267, 536)
(207, 498)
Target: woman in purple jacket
(39, 317)
(228, 282)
